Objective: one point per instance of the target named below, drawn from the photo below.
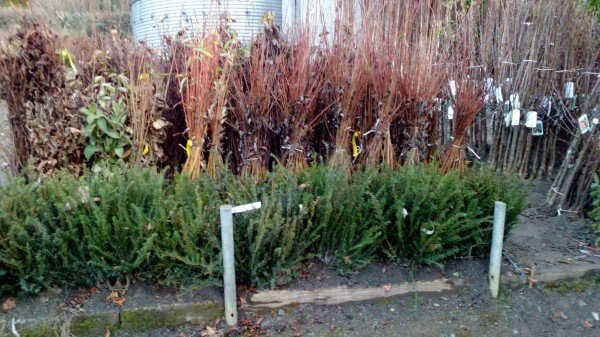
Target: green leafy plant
(106, 129)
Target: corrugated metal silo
(153, 19)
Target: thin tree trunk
(523, 171)
(559, 181)
(541, 168)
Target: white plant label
(531, 119)
(539, 129)
(499, 97)
(515, 102)
(584, 124)
(516, 117)
(247, 207)
(569, 90)
(450, 112)
(452, 85)
(507, 118)
(595, 121)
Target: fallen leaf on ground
(107, 333)
(436, 305)
(116, 297)
(387, 287)
(209, 332)
(532, 280)
(561, 315)
(586, 324)
(8, 304)
(346, 259)
(119, 300)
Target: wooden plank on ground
(339, 295)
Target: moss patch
(94, 325)
(577, 285)
(170, 315)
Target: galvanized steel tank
(153, 19)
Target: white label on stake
(584, 124)
(488, 83)
(507, 118)
(515, 102)
(499, 98)
(516, 117)
(531, 120)
(247, 207)
(595, 121)
(452, 84)
(569, 90)
(450, 112)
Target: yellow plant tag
(67, 55)
(188, 147)
(145, 150)
(354, 145)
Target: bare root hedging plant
(526, 51)
(127, 222)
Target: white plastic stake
(228, 264)
(450, 112)
(496, 252)
(228, 247)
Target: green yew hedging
(123, 221)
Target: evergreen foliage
(125, 221)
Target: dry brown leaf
(107, 333)
(209, 332)
(587, 324)
(112, 296)
(387, 287)
(159, 124)
(346, 259)
(119, 300)
(8, 304)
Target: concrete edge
(127, 319)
